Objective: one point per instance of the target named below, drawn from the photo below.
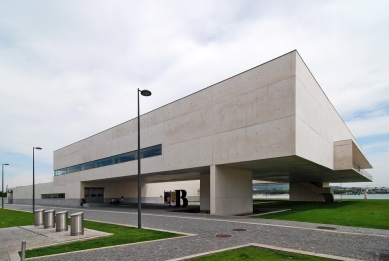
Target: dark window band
(59, 195)
(121, 158)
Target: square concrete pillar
(205, 193)
(230, 191)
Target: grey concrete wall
(343, 155)
(230, 191)
(246, 117)
(319, 191)
(49, 202)
(71, 190)
(318, 125)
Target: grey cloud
(70, 69)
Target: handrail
(366, 174)
(362, 171)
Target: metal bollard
(77, 224)
(48, 219)
(61, 221)
(23, 252)
(38, 217)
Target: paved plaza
(200, 235)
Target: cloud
(369, 126)
(71, 69)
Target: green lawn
(121, 234)
(368, 213)
(256, 253)
(12, 218)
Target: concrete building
(270, 123)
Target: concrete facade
(270, 123)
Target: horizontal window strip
(56, 195)
(121, 158)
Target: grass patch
(121, 234)
(366, 213)
(12, 218)
(256, 253)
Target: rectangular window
(60, 172)
(89, 165)
(58, 195)
(129, 156)
(104, 162)
(151, 152)
(125, 157)
(74, 169)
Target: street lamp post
(2, 184)
(143, 93)
(33, 177)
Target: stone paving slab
(166, 213)
(346, 242)
(37, 236)
(11, 240)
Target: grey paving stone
(358, 243)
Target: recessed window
(151, 152)
(121, 158)
(125, 157)
(56, 195)
(60, 172)
(104, 162)
(89, 165)
(74, 169)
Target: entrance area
(94, 195)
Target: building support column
(230, 191)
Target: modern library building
(272, 123)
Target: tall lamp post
(2, 184)
(143, 93)
(33, 177)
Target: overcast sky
(70, 69)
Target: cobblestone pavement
(11, 240)
(358, 243)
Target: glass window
(125, 157)
(100, 192)
(104, 162)
(89, 165)
(59, 172)
(151, 152)
(144, 153)
(60, 195)
(74, 169)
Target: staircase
(328, 194)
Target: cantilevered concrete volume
(270, 123)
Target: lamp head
(6, 164)
(38, 148)
(145, 92)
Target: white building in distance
(270, 123)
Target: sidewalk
(11, 239)
(346, 242)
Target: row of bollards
(49, 219)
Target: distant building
(270, 123)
